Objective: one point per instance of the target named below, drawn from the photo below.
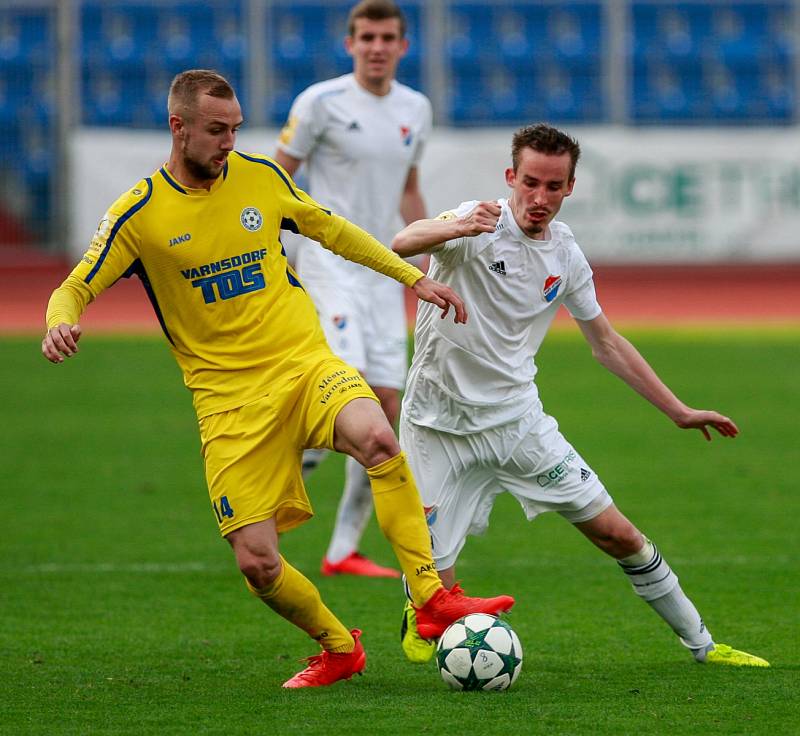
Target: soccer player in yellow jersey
(203, 235)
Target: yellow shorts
(253, 454)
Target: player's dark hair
(375, 10)
(187, 86)
(545, 139)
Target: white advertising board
(641, 196)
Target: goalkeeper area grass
(123, 611)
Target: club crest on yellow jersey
(252, 219)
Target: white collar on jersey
(508, 224)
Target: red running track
(639, 296)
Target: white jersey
(358, 149)
(467, 378)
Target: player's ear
(348, 45)
(570, 187)
(176, 125)
(511, 177)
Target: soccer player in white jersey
(361, 137)
(472, 423)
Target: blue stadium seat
(722, 92)
(736, 34)
(7, 102)
(665, 34)
(26, 35)
(774, 89)
(490, 95)
(781, 42)
(413, 13)
(334, 24)
(660, 93)
(707, 62)
(410, 72)
(41, 98)
(133, 41)
(568, 95)
(297, 34)
(230, 37)
(12, 43)
(150, 109)
(465, 34)
(175, 38)
(36, 165)
(288, 84)
(551, 54)
(108, 99)
(11, 140)
(575, 31)
(18, 80)
(510, 34)
(117, 36)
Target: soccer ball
(479, 652)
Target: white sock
(653, 580)
(312, 458)
(353, 514)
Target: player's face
(539, 186)
(208, 137)
(376, 47)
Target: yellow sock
(402, 520)
(295, 597)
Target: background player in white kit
(361, 137)
(472, 423)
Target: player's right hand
(442, 296)
(482, 218)
(61, 341)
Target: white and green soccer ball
(479, 652)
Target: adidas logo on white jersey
(498, 267)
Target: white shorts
(366, 327)
(459, 477)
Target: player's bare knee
(625, 542)
(260, 569)
(380, 445)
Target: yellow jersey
(236, 316)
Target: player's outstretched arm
(61, 341)
(426, 235)
(616, 354)
(442, 296)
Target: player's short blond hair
(375, 10)
(187, 86)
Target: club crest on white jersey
(551, 286)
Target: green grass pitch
(123, 613)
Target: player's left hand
(702, 419)
(442, 296)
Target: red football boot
(328, 667)
(357, 564)
(447, 606)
